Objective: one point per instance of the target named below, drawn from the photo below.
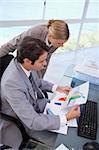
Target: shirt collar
(47, 43)
(26, 71)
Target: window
(89, 35)
(93, 9)
(60, 9)
(21, 9)
(7, 34)
(20, 15)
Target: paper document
(59, 98)
(62, 147)
(62, 103)
(54, 110)
(78, 95)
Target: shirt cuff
(63, 120)
(54, 87)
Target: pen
(49, 111)
(57, 103)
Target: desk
(72, 140)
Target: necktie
(30, 77)
(38, 93)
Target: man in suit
(22, 95)
(54, 34)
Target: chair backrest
(4, 61)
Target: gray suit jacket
(39, 32)
(19, 101)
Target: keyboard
(87, 122)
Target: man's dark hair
(31, 48)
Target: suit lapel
(35, 86)
(25, 79)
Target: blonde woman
(54, 34)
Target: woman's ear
(49, 37)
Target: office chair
(27, 141)
(4, 61)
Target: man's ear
(27, 61)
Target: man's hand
(65, 89)
(73, 113)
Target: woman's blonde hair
(58, 29)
